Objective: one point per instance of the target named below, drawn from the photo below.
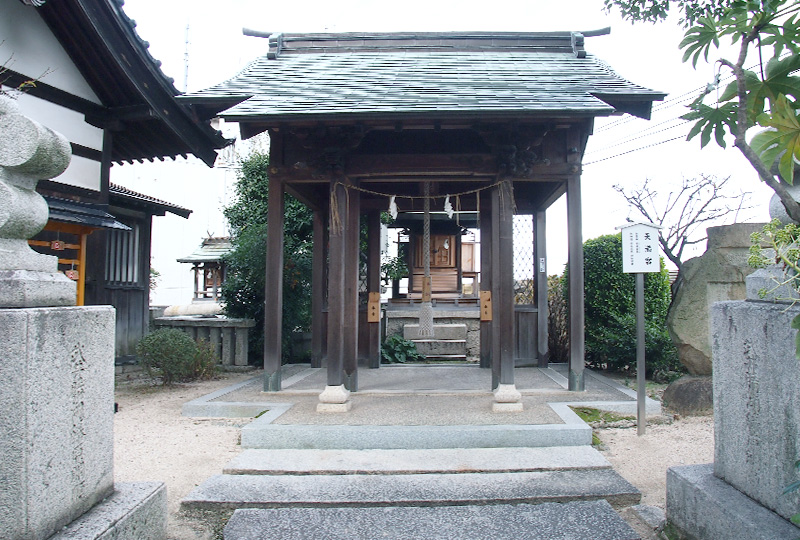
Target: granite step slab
(226, 492)
(262, 433)
(584, 520)
(440, 460)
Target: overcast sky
(623, 150)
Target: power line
(633, 150)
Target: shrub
(398, 350)
(610, 313)
(171, 356)
(557, 326)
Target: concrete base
(701, 506)
(134, 510)
(56, 416)
(334, 399)
(507, 399)
(507, 407)
(334, 407)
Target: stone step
(584, 520)
(440, 331)
(262, 433)
(450, 460)
(226, 492)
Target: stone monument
(756, 382)
(56, 373)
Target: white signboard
(640, 249)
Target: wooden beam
(273, 288)
(374, 166)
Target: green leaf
(699, 39)
(786, 36)
(717, 120)
(784, 137)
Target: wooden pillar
(486, 276)
(458, 259)
(336, 284)
(342, 334)
(494, 344)
(506, 396)
(318, 270)
(540, 270)
(503, 281)
(374, 284)
(575, 264)
(273, 288)
(352, 248)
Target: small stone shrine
(56, 373)
(756, 379)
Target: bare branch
(686, 210)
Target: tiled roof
(138, 99)
(157, 206)
(336, 76)
(211, 250)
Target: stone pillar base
(507, 399)
(334, 399)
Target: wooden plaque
(374, 307)
(486, 305)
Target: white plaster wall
(28, 47)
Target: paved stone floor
(428, 395)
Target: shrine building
(494, 124)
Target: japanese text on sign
(640, 251)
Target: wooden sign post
(640, 254)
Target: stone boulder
(690, 396)
(717, 275)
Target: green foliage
(398, 350)
(658, 10)
(243, 290)
(783, 249)
(155, 276)
(394, 269)
(171, 356)
(557, 320)
(768, 97)
(610, 322)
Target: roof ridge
(461, 41)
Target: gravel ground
(154, 442)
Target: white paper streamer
(448, 208)
(392, 207)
